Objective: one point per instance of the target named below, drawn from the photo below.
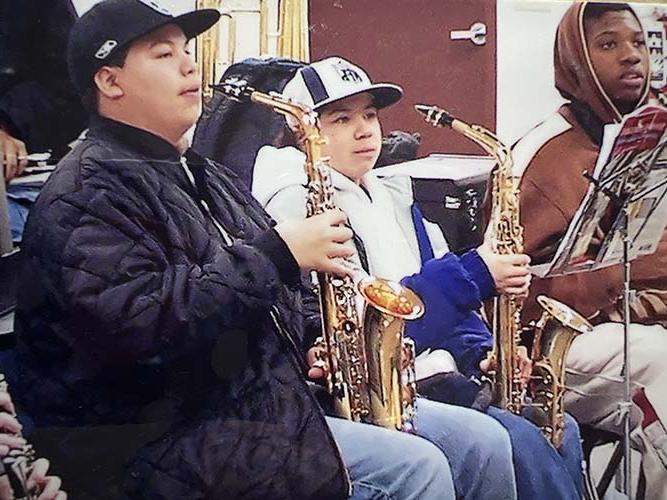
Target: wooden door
(408, 42)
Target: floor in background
(599, 460)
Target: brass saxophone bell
(391, 298)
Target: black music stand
(632, 197)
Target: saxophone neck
(483, 137)
(487, 140)
(305, 119)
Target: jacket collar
(589, 121)
(153, 147)
(142, 141)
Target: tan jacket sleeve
(548, 203)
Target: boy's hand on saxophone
(317, 360)
(12, 156)
(9, 426)
(510, 273)
(318, 242)
(42, 487)
(47, 486)
(524, 365)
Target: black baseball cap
(112, 25)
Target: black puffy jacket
(145, 338)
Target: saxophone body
(507, 390)
(17, 464)
(557, 327)
(553, 334)
(504, 224)
(371, 373)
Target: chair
(591, 438)
(9, 267)
(5, 228)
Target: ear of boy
(105, 80)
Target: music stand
(628, 191)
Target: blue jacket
(452, 289)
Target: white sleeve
(287, 203)
(279, 182)
(438, 241)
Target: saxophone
(17, 464)
(507, 389)
(553, 334)
(371, 366)
(558, 325)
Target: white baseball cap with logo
(334, 78)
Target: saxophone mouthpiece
(434, 115)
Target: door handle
(476, 34)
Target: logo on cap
(347, 72)
(105, 49)
(349, 75)
(156, 6)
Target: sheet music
(648, 215)
(632, 162)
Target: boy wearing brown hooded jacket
(601, 67)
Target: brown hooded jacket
(550, 160)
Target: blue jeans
(386, 464)
(20, 197)
(477, 447)
(542, 471)
(475, 452)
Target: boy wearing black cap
(164, 331)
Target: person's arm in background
(451, 296)
(35, 91)
(38, 481)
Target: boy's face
(618, 52)
(160, 83)
(353, 130)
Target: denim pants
(20, 197)
(542, 471)
(471, 449)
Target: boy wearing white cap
(393, 241)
